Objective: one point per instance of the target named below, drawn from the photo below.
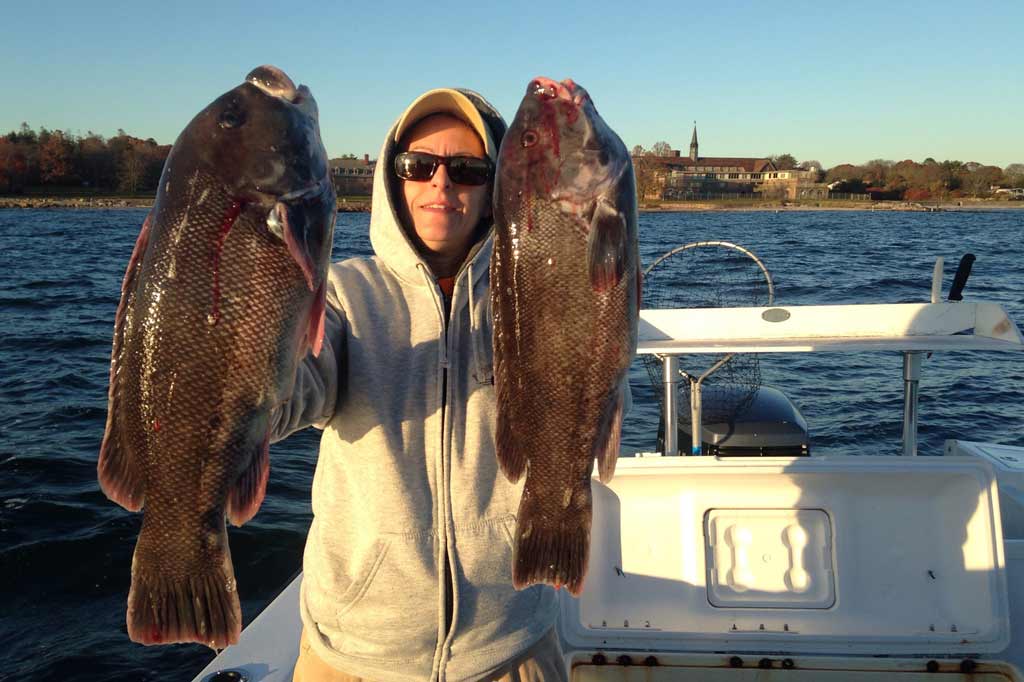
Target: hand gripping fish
(223, 295)
(565, 297)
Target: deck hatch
(769, 558)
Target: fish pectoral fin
(315, 325)
(307, 238)
(120, 476)
(606, 246)
(249, 489)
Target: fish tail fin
(197, 604)
(248, 491)
(552, 548)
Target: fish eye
(231, 118)
(529, 138)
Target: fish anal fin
(120, 477)
(246, 494)
(197, 605)
(511, 458)
(606, 445)
(606, 246)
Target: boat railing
(910, 328)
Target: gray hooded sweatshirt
(407, 567)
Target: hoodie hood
(390, 241)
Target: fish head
(260, 140)
(259, 144)
(558, 148)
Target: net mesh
(709, 275)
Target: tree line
(907, 180)
(54, 159)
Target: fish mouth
(276, 83)
(547, 89)
(309, 191)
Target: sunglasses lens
(463, 170)
(414, 166)
(469, 170)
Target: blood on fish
(156, 424)
(234, 210)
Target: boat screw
(598, 659)
(764, 663)
(967, 666)
(788, 663)
(650, 661)
(735, 662)
(932, 667)
(624, 660)
(228, 676)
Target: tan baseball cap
(447, 101)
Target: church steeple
(693, 143)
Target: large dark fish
(565, 297)
(223, 295)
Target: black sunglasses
(463, 170)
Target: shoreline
(361, 205)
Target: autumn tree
(54, 157)
(1013, 175)
(661, 148)
(783, 161)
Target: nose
(441, 178)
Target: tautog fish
(564, 293)
(223, 294)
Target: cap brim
(447, 101)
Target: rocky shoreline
(344, 206)
(361, 205)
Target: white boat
(786, 568)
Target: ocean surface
(65, 550)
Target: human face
(444, 214)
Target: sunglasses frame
(437, 161)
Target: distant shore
(362, 204)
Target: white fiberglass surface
(896, 555)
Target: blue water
(65, 550)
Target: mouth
(439, 207)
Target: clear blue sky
(832, 81)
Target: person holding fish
(408, 562)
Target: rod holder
(911, 386)
(670, 380)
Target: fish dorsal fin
(606, 246)
(120, 475)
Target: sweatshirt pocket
(490, 609)
(392, 612)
